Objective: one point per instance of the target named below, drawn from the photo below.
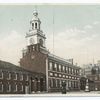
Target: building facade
(93, 74)
(16, 80)
(38, 59)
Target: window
(59, 75)
(15, 76)
(69, 70)
(41, 42)
(66, 69)
(69, 76)
(36, 25)
(59, 67)
(51, 82)
(15, 87)
(21, 87)
(63, 68)
(32, 25)
(56, 75)
(21, 76)
(50, 65)
(96, 78)
(8, 87)
(51, 74)
(69, 83)
(55, 66)
(63, 76)
(60, 83)
(8, 75)
(66, 76)
(1, 75)
(75, 71)
(72, 77)
(72, 70)
(1, 87)
(56, 82)
(27, 77)
(77, 78)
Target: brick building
(93, 75)
(16, 80)
(38, 59)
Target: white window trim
(9, 87)
(56, 74)
(60, 83)
(66, 68)
(51, 83)
(21, 77)
(16, 88)
(50, 65)
(51, 74)
(9, 76)
(27, 78)
(63, 68)
(1, 87)
(56, 82)
(21, 87)
(59, 67)
(55, 66)
(60, 75)
(15, 76)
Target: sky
(76, 31)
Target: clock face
(31, 41)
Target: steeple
(35, 34)
(35, 22)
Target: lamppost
(63, 88)
(87, 86)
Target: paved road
(68, 94)
(80, 93)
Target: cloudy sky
(76, 31)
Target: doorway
(41, 84)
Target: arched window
(35, 25)
(32, 25)
(31, 41)
(41, 42)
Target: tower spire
(35, 7)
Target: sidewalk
(72, 93)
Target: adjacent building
(92, 72)
(16, 80)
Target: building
(87, 69)
(17, 80)
(38, 59)
(93, 74)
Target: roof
(62, 60)
(13, 68)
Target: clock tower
(35, 34)
(35, 54)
